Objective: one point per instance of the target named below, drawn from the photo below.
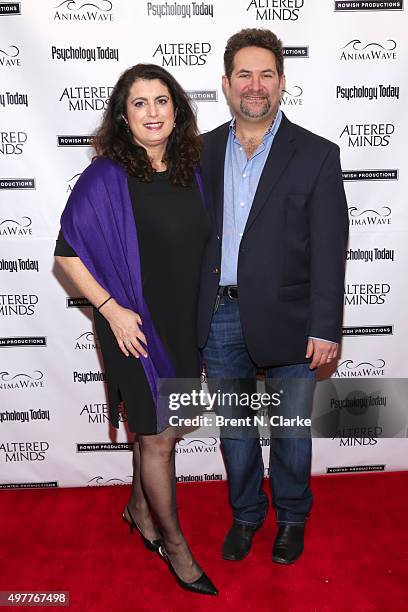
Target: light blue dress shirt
(241, 178)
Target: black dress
(172, 228)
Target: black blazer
(292, 254)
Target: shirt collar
(272, 129)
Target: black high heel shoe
(202, 586)
(152, 545)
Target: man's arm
(328, 242)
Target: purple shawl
(98, 223)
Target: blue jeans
(227, 358)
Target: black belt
(230, 291)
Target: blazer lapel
(218, 161)
(282, 149)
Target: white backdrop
(345, 66)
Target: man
(272, 281)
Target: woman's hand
(125, 325)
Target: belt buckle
(231, 297)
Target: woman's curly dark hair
(113, 138)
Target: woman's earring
(125, 121)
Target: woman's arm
(125, 323)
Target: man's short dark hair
(253, 37)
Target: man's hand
(323, 352)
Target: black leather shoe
(238, 541)
(288, 545)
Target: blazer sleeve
(328, 244)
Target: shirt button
(216, 270)
(244, 176)
(240, 235)
(240, 148)
(242, 204)
(218, 237)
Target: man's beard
(255, 115)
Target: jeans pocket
(217, 303)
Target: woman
(132, 236)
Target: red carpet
(356, 555)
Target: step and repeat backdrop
(346, 80)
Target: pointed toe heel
(202, 586)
